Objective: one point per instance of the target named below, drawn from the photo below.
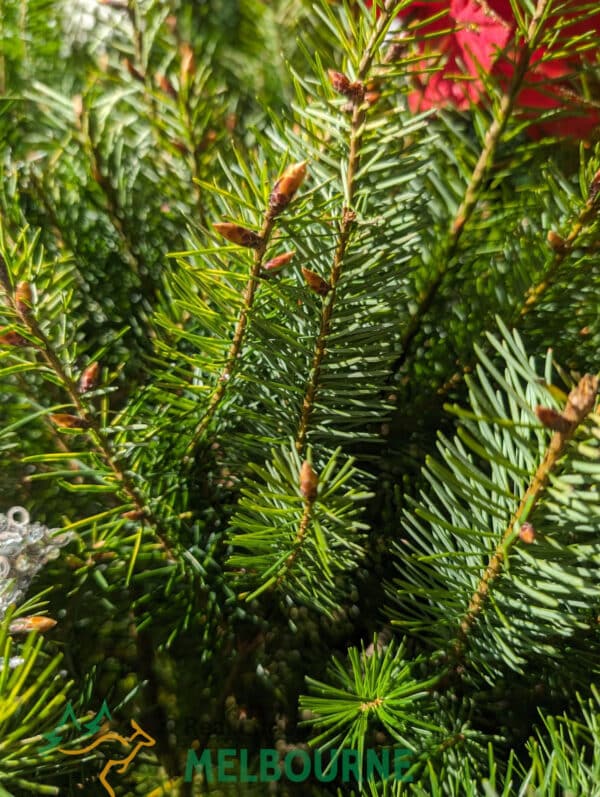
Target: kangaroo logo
(138, 740)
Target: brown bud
(594, 187)
(372, 97)
(133, 71)
(163, 82)
(279, 261)
(89, 378)
(180, 146)
(339, 81)
(581, 399)
(12, 338)
(556, 242)
(34, 622)
(553, 419)
(69, 421)
(133, 514)
(23, 298)
(395, 52)
(309, 481)
(77, 102)
(348, 216)
(356, 91)
(316, 283)
(188, 62)
(238, 235)
(341, 84)
(286, 186)
(527, 533)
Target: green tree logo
(137, 741)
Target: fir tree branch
(328, 306)
(140, 72)
(535, 293)
(357, 127)
(472, 193)
(308, 487)
(238, 336)
(282, 193)
(355, 92)
(138, 42)
(580, 403)
(111, 202)
(101, 443)
(562, 249)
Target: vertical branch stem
(238, 336)
(473, 190)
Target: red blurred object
(462, 40)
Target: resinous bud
(238, 235)
(286, 186)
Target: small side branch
(580, 403)
(281, 195)
(238, 338)
(562, 247)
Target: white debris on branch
(24, 549)
(89, 22)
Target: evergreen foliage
(350, 501)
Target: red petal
(480, 34)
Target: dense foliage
(298, 342)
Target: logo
(233, 766)
(131, 744)
(230, 765)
